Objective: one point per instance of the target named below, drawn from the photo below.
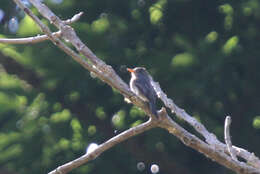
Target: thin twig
(75, 18)
(39, 38)
(105, 146)
(28, 40)
(228, 139)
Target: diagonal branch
(105, 146)
(105, 72)
(210, 138)
(212, 148)
(204, 148)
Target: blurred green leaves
(230, 44)
(101, 25)
(64, 144)
(228, 10)
(60, 116)
(77, 134)
(136, 112)
(28, 27)
(100, 113)
(183, 60)
(212, 37)
(136, 14)
(8, 102)
(92, 130)
(11, 52)
(156, 11)
(256, 122)
(118, 119)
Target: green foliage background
(205, 54)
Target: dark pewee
(140, 84)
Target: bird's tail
(153, 108)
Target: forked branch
(39, 38)
(211, 147)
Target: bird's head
(138, 71)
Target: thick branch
(204, 148)
(210, 138)
(101, 70)
(212, 149)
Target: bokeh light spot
(2, 14)
(140, 166)
(91, 148)
(13, 25)
(154, 168)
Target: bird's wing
(146, 89)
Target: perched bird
(140, 84)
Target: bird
(140, 84)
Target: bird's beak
(130, 70)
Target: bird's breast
(133, 86)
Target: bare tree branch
(103, 71)
(228, 139)
(212, 148)
(39, 38)
(204, 148)
(75, 18)
(105, 146)
(29, 40)
(210, 138)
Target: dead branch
(228, 139)
(210, 138)
(105, 146)
(211, 148)
(39, 38)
